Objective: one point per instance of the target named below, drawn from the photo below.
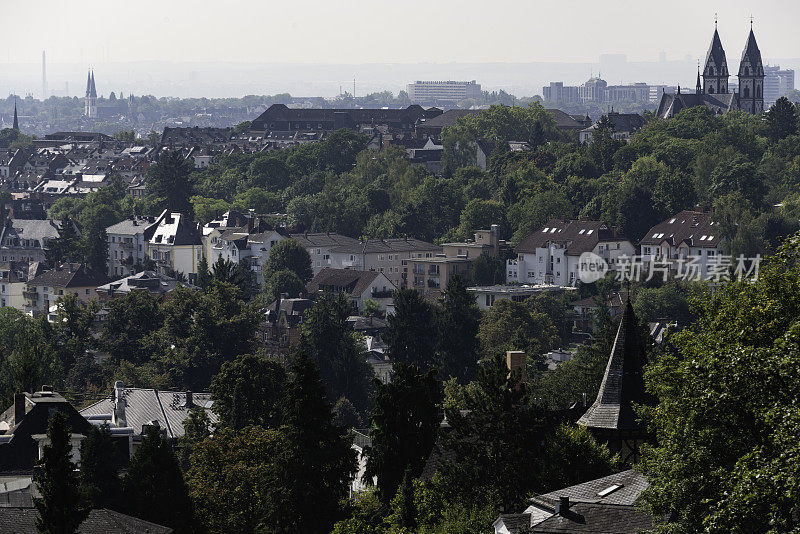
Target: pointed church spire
(623, 381)
(16, 119)
(89, 84)
(715, 71)
(751, 57)
(94, 89)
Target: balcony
(30, 294)
(381, 294)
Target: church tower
(90, 108)
(715, 73)
(16, 119)
(751, 77)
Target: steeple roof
(16, 120)
(751, 57)
(716, 64)
(623, 381)
(91, 91)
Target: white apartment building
(319, 247)
(176, 245)
(550, 255)
(687, 242)
(387, 256)
(127, 244)
(443, 91)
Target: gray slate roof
(577, 236)
(716, 58)
(371, 246)
(596, 519)
(324, 240)
(623, 381)
(101, 521)
(695, 228)
(69, 275)
(633, 484)
(349, 281)
(145, 405)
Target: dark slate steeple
(16, 119)
(623, 382)
(715, 72)
(698, 88)
(89, 84)
(751, 76)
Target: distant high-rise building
(90, 108)
(445, 91)
(777, 83)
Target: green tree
(573, 457)
(403, 514)
(726, 425)
(249, 391)
(289, 254)
(67, 246)
(61, 509)
(511, 325)
(236, 483)
(130, 326)
(782, 119)
(154, 486)
(405, 421)
(320, 459)
(458, 330)
(495, 434)
(280, 282)
(99, 480)
(203, 274)
(169, 184)
(412, 335)
(196, 429)
(337, 351)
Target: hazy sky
(400, 31)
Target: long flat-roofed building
(443, 91)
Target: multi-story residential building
(240, 246)
(27, 239)
(486, 296)
(431, 274)
(443, 91)
(14, 277)
(127, 244)
(357, 286)
(176, 246)
(43, 290)
(550, 255)
(687, 242)
(388, 256)
(624, 125)
(319, 247)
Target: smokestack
(118, 416)
(189, 400)
(562, 506)
(19, 407)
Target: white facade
(451, 91)
(127, 245)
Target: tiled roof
(631, 482)
(69, 275)
(131, 226)
(623, 381)
(323, 240)
(596, 519)
(145, 405)
(100, 521)
(694, 228)
(577, 236)
(353, 282)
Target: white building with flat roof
(443, 91)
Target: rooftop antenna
(716, 19)
(751, 22)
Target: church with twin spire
(713, 91)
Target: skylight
(609, 490)
(545, 230)
(581, 232)
(673, 221)
(589, 232)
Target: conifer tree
(403, 509)
(61, 509)
(66, 247)
(404, 425)
(412, 330)
(458, 331)
(100, 482)
(154, 486)
(320, 459)
(203, 274)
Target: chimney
(562, 506)
(118, 416)
(515, 359)
(189, 402)
(19, 407)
